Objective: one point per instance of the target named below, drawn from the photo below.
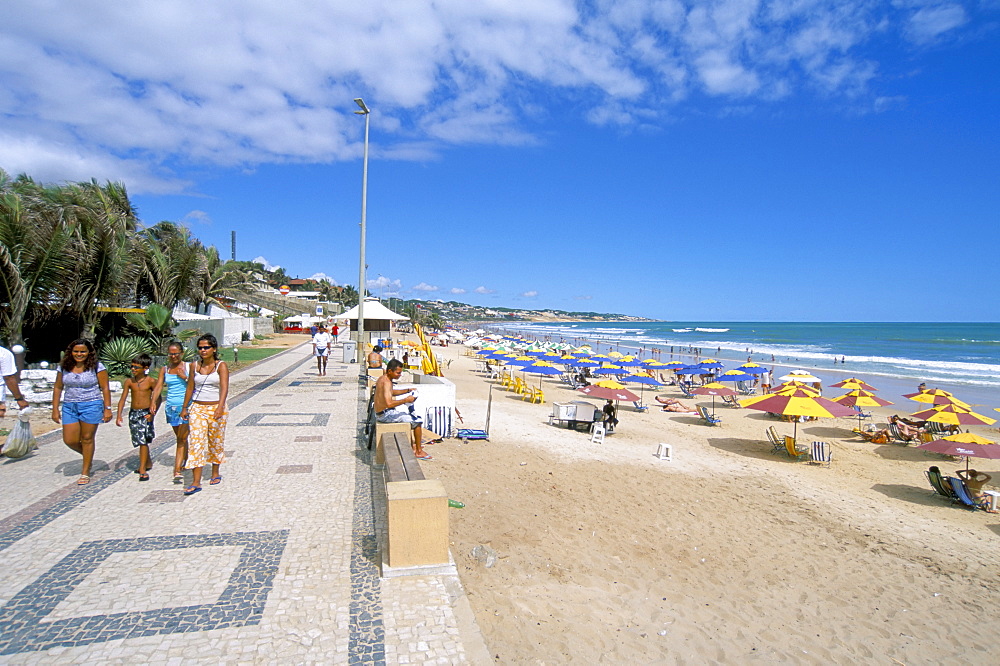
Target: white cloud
(456, 290)
(322, 277)
(582, 298)
(423, 286)
(927, 23)
(197, 217)
(529, 294)
(267, 264)
(484, 290)
(383, 286)
(130, 91)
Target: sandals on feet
(216, 480)
(83, 480)
(191, 490)
(178, 478)
(144, 477)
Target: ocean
(963, 358)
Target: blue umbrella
(735, 376)
(608, 371)
(585, 363)
(520, 362)
(541, 370)
(692, 370)
(753, 369)
(628, 364)
(641, 379)
(710, 364)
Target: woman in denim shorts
(174, 376)
(86, 403)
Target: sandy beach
(727, 554)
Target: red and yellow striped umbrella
(953, 415)
(854, 384)
(799, 403)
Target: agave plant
(156, 323)
(117, 354)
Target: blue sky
(726, 160)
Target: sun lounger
(963, 496)
(938, 483)
(777, 445)
(792, 450)
(708, 418)
(822, 453)
(745, 388)
(639, 407)
(897, 435)
(686, 391)
(732, 401)
(862, 414)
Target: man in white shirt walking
(321, 343)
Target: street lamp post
(366, 112)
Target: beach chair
(732, 401)
(963, 496)
(686, 391)
(862, 414)
(639, 407)
(467, 434)
(821, 454)
(897, 435)
(792, 450)
(745, 388)
(777, 446)
(708, 418)
(938, 483)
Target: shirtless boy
(141, 412)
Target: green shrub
(117, 354)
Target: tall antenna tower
(234, 244)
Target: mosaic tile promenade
(276, 564)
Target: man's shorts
(399, 416)
(173, 413)
(324, 352)
(91, 412)
(141, 429)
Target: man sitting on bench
(389, 409)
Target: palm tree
(174, 264)
(37, 253)
(220, 280)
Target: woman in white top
(205, 409)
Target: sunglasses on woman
(209, 347)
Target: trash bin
(350, 351)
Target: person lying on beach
(907, 433)
(912, 423)
(875, 436)
(674, 405)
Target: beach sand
(727, 554)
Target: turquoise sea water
(961, 357)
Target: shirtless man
(389, 409)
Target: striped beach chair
(821, 454)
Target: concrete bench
(415, 538)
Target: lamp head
(364, 109)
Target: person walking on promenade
(390, 410)
(174, 375)
(86, 404)
(140, 388)
(205, 406)
(8, 369)
(321, 343)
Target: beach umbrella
(953, 415)
(735, 376)
(799, 376)
(628, 363)
(752, 368)
(964, 444)
(608, 369)
(792, 386)
(853, 384)
(710, 363)
(713, 389)
(932, 396)
(616, 354)
(797, 403)
(587, 363)
(600, 356)
(609, 394)
(521, 361)
(940, 399)
(861, 398)
(642, 381)
(609, 384)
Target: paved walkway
(274, 565)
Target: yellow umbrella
(609, 383)
(615, 354)
(968, 438)
(954, 415)
(798, 403)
